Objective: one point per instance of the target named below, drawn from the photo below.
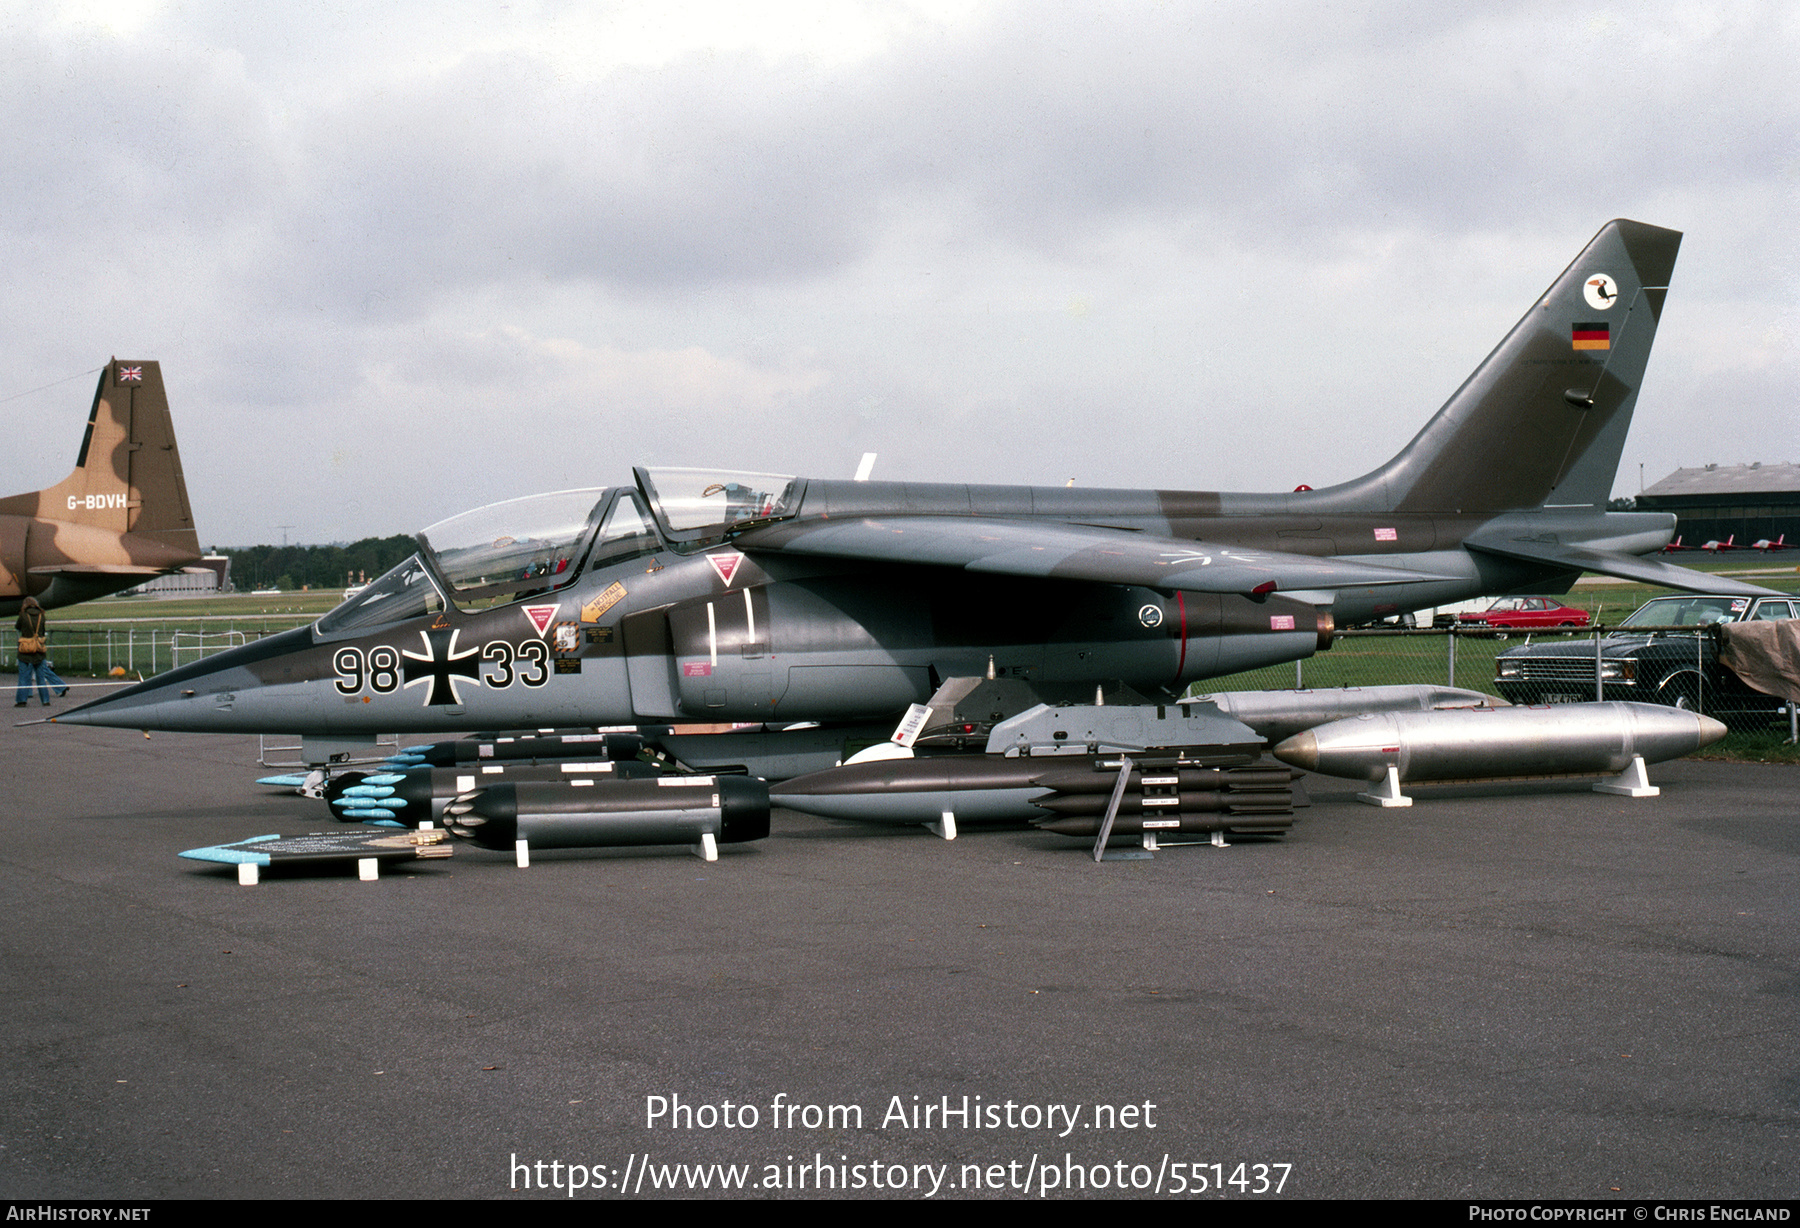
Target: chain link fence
(142, 647)
(1677, 666)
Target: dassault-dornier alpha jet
(120, 518)
(713, 596)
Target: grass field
(228, 605)
(146, 635)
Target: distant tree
(318, 566)
(1623, 504)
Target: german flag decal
(1591, 336)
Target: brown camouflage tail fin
(127, 476)
(121, 517)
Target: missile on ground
(975, 788)
(996, 789)
(530, 745)
(1277, 715)
(1130, 827)
(1100, 778)
(1591, 739)
(318, 848)
(420, 794)
(1274, 801)
(606, 813)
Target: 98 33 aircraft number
(498, 664)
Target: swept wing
(1070, 552)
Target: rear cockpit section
(696, 508)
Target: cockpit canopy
(697, 507)
(530, 543)
(406, 591)
(525, 547)
(503, 552)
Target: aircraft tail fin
(1542, 420)
(127, 476)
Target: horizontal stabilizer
(101, 569)
(1090, 553)
(1624, 566)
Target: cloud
(781, 243)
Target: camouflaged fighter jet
(701, 595)
(120, 518)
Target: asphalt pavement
(1503, 991)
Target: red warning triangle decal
(540, 616)
(726, 564)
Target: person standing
(34, 657)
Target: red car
(1511, 613)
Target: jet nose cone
(196, 698)
(1301, 750)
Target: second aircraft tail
(127, 476)
(1542, 421)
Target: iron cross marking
(441, 665)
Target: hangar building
(1713, 503)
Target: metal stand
(1112, 812)
(1388, 794)
(708, 848)
(522, 854)
(1632, 782)
(328, 753)
(945, 826)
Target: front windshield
(405, 592)
(1687, 611)
(528, 545)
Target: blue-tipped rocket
(605, 813)
(1590, 739)
(420, 794)
(482, 748)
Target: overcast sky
(403, 262)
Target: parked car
(1511, 613)
(1678, 668)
